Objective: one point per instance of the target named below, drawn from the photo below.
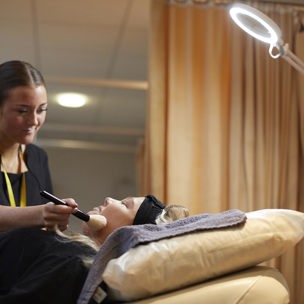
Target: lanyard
(10, 189)
(11, 193)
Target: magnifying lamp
(261, 27)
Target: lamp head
(261, 27)
(255, 23)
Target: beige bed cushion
(256, 285)
(174, 263)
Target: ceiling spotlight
(71, 100)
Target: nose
(106, 201)
(33, 119)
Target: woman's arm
(47, 215)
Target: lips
(29, 131)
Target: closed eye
(124, 203)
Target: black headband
(148, 211)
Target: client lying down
(39, 266)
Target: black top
(37, 178)
(40, 267)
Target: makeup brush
(94, 221)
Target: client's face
(118, 213)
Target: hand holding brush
(94, 221)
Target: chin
(27, 140)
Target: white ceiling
(95, 47)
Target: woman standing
(24, 166)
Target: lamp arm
(292, 59)
(282, 50)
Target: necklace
(9, 185)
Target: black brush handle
(78, 213)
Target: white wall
(90, 176)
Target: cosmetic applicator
(94, 221)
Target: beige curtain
(225, 121)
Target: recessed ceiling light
(71, 100)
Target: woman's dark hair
(17, 73)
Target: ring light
(255, 23)
(261, 27)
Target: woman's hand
(53, 214)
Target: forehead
(27, 93)
(138, 200)
(26, 90)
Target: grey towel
(124, 238)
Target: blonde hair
(74, 237)
(172, 213)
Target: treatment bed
(255, 285)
